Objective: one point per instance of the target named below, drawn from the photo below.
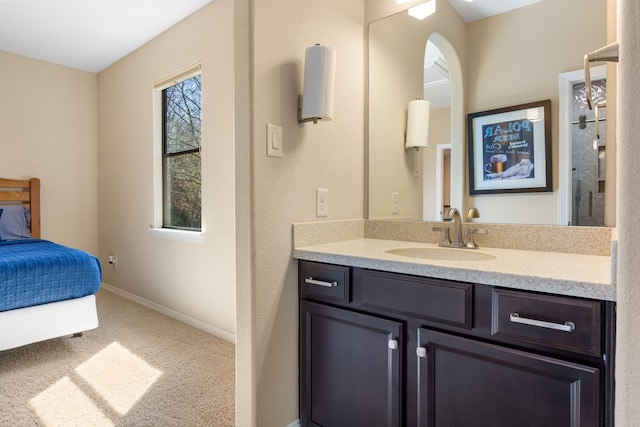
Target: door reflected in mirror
(588, 147)
(583, 147)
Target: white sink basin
(445, 254)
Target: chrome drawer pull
(311, 281)
(567, 327)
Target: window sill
(180, 235)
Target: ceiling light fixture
(423, 10)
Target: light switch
(274, 140)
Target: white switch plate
(322, 202)
(274, 140)
(395, 202)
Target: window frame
(158, 228)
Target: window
(181, 157)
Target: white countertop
(588, 276)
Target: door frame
(440, 150)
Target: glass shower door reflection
(588, 156)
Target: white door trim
(566, 82)
(440, 149)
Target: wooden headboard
(25, 192)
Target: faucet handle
(471, 244)
(446, 239)
(472, 213)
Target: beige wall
(48, 127)
(628, 292)
(512, 60)
(327, 155)
(195, 281)
(246, 360)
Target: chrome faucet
(452, 214)
(453, 236)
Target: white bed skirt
(32, 324)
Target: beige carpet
(139, 368)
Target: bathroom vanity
(391, 340)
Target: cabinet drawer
(324, 281)
(557, 322)
(433, 300)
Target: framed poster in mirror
(510, 149)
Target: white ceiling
(86, 34)
(478, 9)
(90, 35)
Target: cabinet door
(462, 382)
(350, 371)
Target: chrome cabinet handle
(566, 327)
(393, 344)
(312, 281)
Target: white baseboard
(178, 316)
(296, 423)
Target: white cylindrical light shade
(418, 124)
(319, 82)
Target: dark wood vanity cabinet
(388, 349)
(465, 382)
(351, 368)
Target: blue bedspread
(34, 271)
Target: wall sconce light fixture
(423, 10)
(316, 101)
(417, 135)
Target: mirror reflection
(508, 59)
(588, 161)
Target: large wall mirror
(464, 67)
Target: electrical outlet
(322, 202)
(395, 203)
(113, 261)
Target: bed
(46, 290)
